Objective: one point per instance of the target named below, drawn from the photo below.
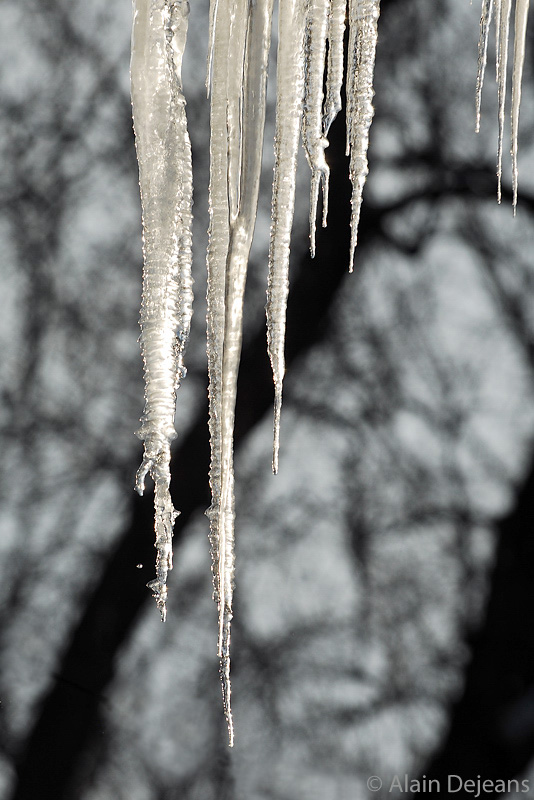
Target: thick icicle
(164, 155)
(312, 120)
(240, 53)
(521, 16)
(485, 23)
(363, 18)
(290, 61)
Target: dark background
(384, 620)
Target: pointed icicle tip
(159, 592)
(276, 426)
(227, 691)
(224, 672)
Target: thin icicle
(241, 47)
(164, 155)
(219, 234)
(312, 122)
(485, 23)
(363, 18)
(505, 7)
(291, 19)
(521, 16)
(334, 80)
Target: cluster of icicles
(503, 13)
(309, 81)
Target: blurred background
(384, 619)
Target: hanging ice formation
(165, 178)
(310, 43)
(503, 10)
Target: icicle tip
(276, 426)
(224, 670)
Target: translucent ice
(165, 178)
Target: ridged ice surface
(503, 14)
(165, 178)
(238, 64)
(310, 48)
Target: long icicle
(218, 242)
(164, 155)
(291, 20)
(242, 128)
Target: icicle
(240, 53)
(312, 123)
(505, 7)
(521, 16)
(334, 81)
(363, 18)
(216, 264)
(164, 155)
(485, 23)
(291, 19)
